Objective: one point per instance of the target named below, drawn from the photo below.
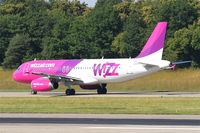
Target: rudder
(155, 44)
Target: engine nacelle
(43, 85)
(91, 87)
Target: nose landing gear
(33, 92)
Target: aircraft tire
(34, 92)
(69, 92)
(101, 90)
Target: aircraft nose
(15, 77)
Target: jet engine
(43, 85)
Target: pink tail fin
(155, 42)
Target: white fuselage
(93, 71)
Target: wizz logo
(107, 69)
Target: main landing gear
(34, 92)
(102, 89)
(70, 92)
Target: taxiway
(110, 94)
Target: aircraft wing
(58, 78)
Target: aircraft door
(26, 69)
(129, 68)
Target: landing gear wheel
(101, 90)
(70, 92)
(33, 92)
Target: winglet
(155, 42)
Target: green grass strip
(102, 105)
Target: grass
(180, 80)
(7, 84)
(104, 105)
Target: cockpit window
(18, 68)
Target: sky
(91, 3)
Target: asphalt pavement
(110, 94)
(98, 123)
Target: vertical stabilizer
(153, 49)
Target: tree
(114, 28)
(71, 8)
(178, 13)
(55, 46)
(12, 8)
(185, 45)
(4, 40)
(55, 49)
(9, 26)
(61, 42)
(80, 40)
(179, 45)
(105, 24)
(130, 42)
(37, 24)
(18, 17)
(196, 44)
(124, 9)
(18, 46)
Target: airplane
(95, 74)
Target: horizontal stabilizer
(159, 63)
(180, 62)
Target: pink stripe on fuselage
(57, 67)
(60, 67)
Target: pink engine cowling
(43, 85)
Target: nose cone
(15, 76)
(21, 77)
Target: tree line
(68, 29)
